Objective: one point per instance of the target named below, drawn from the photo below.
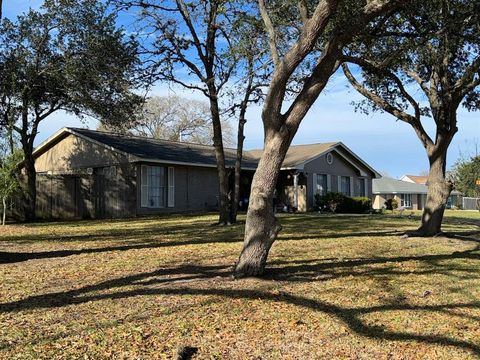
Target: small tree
(465, 176)
(391, 204)
(8, 179)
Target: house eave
(185, 163)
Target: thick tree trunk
(262, 228)
(238, 166)
(30, 192)
(438, 192)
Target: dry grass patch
(336, 287)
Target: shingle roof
(386, 185)
(149, 149)
(163, 150)
(299, 154)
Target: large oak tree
(317, 33)
(422, 65)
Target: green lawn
(336, 287)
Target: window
(321, 185)
(153, 191)
(345, 185)
(329, 158)
(171, 187)
(362, 187)
(406, 200)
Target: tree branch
(381, 71)
(386, 106)
(467, 82)
(272, 35)
(303, 9)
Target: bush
(391, 204)
(337, 202)
(361, 204)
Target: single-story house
(409, 194)
(84, 173)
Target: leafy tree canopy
(68, 56)
(466, 173)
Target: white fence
(470, 203)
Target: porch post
(295, 190)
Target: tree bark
(238, 170)
(262, 228)
(439, 190)
(30, 193)
(238, 166)
(223, 202)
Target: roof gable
(299, 155)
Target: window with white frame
(345, 185)
(406, 200)
(153, 191)
(321, 187)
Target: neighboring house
(409, 195)
(92, 174)
(417, 179)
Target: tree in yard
(314, 38)
(8, 178)
(253, 72)
(192, 48)
(424, 62)
(68, 56)
(174, 118)
(465, 175)
(196, 46)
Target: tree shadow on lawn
(154, 229)
(7, 257)
(287, 269)
(170, 281)
(13, 257)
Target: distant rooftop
(415, 178)
(387, 185)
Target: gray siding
(196, 189)
(339, 167)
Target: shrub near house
(340, 203)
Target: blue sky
(388, 145)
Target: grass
(336, 287)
